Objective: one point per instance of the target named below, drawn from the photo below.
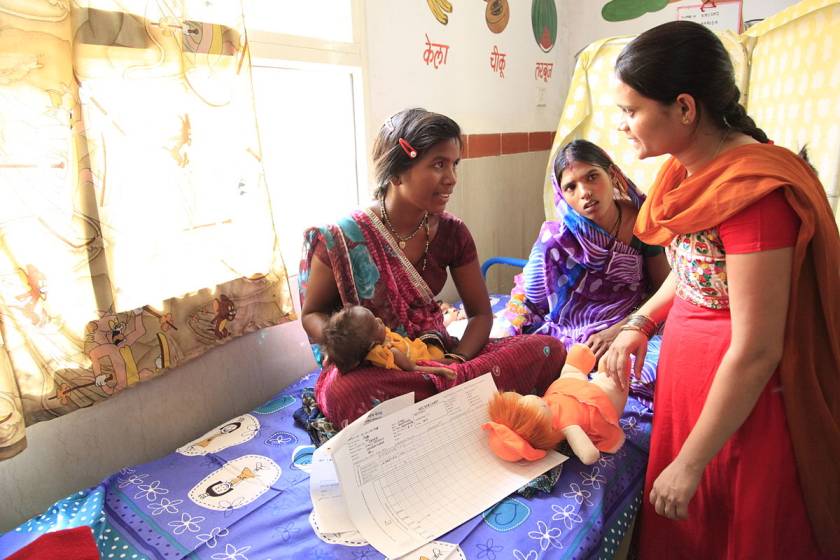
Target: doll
(451, 313)
(583, 412)
(354, 335)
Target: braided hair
(686, 57)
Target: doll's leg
(617, 395)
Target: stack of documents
(407, 473)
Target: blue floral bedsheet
(241, 492)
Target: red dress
(748, 503)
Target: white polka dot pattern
(794, 84)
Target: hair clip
(411, 152)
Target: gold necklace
(401, 241)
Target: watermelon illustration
(544, 23)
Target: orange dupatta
(810, 365)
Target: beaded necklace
(401, 241)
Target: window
(307, 74)
(327, 20)
(307, 129)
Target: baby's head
(349, 336)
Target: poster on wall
(623, 10)
(440, 9)
(497, 15)
(717, 15)
(720, 15)
(544, 23)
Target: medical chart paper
(423, 470)
(328, 504)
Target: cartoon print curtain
(135, 225)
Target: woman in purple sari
(393, 258)
(587, 272)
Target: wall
(590, 26)
(465, 87)
(500, 183)
(500, 200)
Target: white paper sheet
(422, 471)
(328, 504)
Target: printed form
(328, 503)
(425, 469)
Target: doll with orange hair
(574, 408)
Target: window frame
(280, 50)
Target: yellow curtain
(135, 224)
(800, 43)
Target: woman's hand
(674, 488)
(616, 362)
(321, 299)
(473, 292)
(600, 341)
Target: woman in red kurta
(746, 435)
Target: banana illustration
(440, 9)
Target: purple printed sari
(580, 280)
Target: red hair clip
(410, 152)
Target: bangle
(638, 322)
(633, 328)
(455, 356)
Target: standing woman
(746, 435)
(393, 258)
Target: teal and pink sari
(372, 271)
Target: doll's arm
(581, 444)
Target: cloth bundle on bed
(241, 492)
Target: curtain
(135, 223)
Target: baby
(354, 335)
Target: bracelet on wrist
(633, 328)
(455, 356)
(641, 323)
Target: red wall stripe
(503, 143)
